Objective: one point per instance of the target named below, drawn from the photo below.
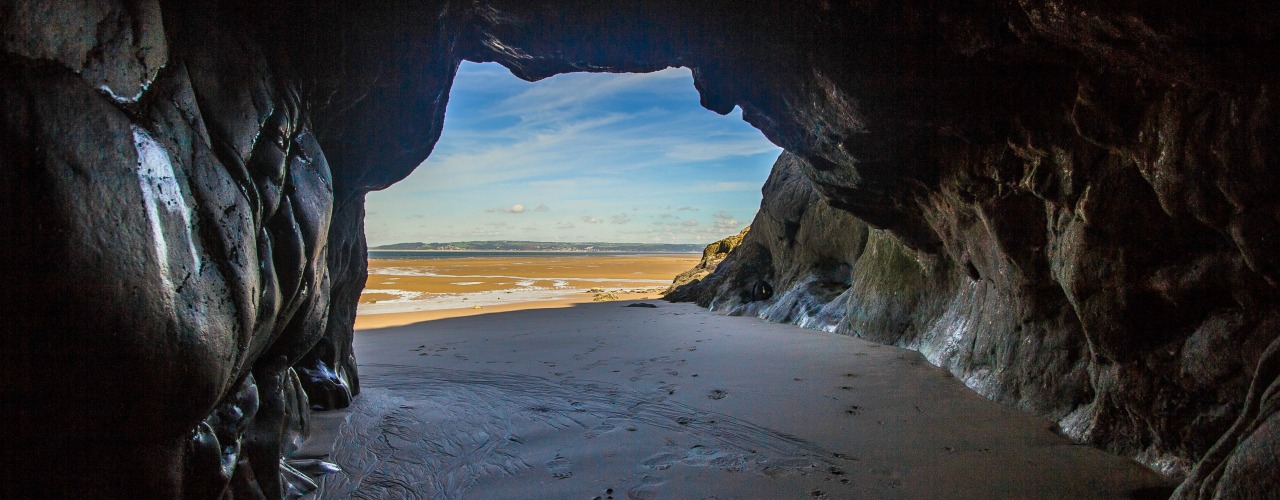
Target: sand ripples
(420, 432)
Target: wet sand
(404, 291)
(601, 400)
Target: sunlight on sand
(405, 291)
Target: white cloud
(691, 223)
(722, 215)
(591, 220)
(513, 209)
(686, 209)
(620, 219)
(726, 225)
(542, 208)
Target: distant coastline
(377, 254)
(540, 246)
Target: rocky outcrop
(795, 262)
(712, 255)
(1071, 205)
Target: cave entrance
(565, 164)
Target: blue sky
(578, 157)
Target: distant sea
(446, 254)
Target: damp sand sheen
(403, 291)
(575, 398)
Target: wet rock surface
(167, 208)
(793, 265)
(1070, 205)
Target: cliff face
(1072, 205)
(795, 262)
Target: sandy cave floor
(607, 401)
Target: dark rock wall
(377, 76)
(170, 225)
(1084, 187)
(793, 264)
(1070, 204)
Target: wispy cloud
(731, 147)
(543, 102)
(593, 143)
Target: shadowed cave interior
(1069, 205)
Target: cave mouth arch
(573, 159)
(958, 128)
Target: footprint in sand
(382, 435)
(647, 489)
(608, 495)
(560, 467)
(603, 428)
(661, 461)
(717, 394)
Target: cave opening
(1069, 206)
(578, 157)
(563, 164)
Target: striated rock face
(1072, 205)
(712, 256)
